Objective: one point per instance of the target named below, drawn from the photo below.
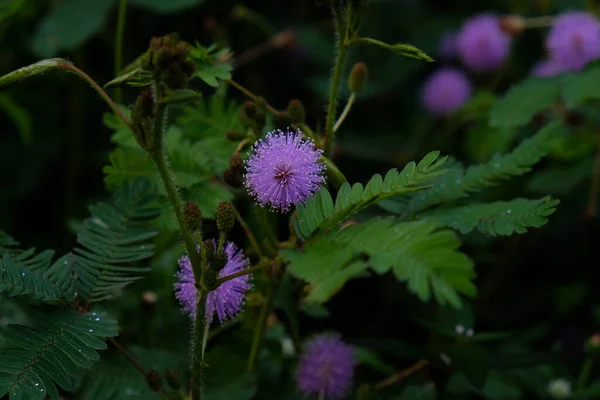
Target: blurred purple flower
(226, 300)
(574, 40)
(481, 44)
(445, 91)
(547, 68)
(326, 366)
(284, 170)
(447, 46)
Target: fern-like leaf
(502, 218)
(53, 353)
(10, 247)
(111, 242)
(417, 252)
(16, 279)
(319, 213)
(458, 182)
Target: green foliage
(459, 182)
(115, 378)
(416, 252)
(209, 65)
(111, 242)
(502, 218)
(19, 116)
(53, 353)
(58, 32)
(319, 214)
(523, 101)
(166, 6)
(578, 88)
(16, 279)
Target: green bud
(173, 379)
(141, 117)
(192, 216)
(167, 59)
(235, 135)
(296, 111)
(250, 109)
(154, 380)
(282, 120)
(357, 78)
(225, 217)
(261, 103)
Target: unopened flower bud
(282, 120)
(154, 380)
(235, 161)
(141, 117)
(250, 109)
(357, 78)
(173, 379)
(514, 25)
(225, 216)
(296, 111)
(167, 59)
(192, 216)
(235, 135)
(233, 178)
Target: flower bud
(225, 217)
(173, 379)
(296, 111)
(154, 380)
(141, 117)
(282, 120)
(357, 78)
(192, 216)
(235, 135)
(236, 162)
(233, 178)
(166, 58)
(250, 109)
(513, 25)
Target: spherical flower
(284, 170)
(574, 40)
(226, 300)
(481, 44)
(445, 91)
(326, 366)
(547, 68)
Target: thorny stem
(67, 66)
(335, 80)
(345, 112)
(119, 44)
(132, 360)
(261, 325)
(249, 94)
(402, 374)
(160, 158)
(249, 232)
(246, 271)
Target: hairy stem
(335, 80)
(249, 94)
(67, 66)
(345, 112)
(246, 271)
(402, 374)
(118, 56)
(198, 341)
(261, 325)
(249, 232)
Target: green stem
(367, 40)
(585, 373)
(345, 112)
(199, 333)
(335, 80)
(261, 325)
(249, 232)
(246, 271)
(335, 176)
(118, 56)
(67, 66)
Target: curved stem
(336, 177)
(261, 325)
(67, 66)
(249, 232)
(402, 374)
(248, 93)
(345, 112)
(118, 56)
(335, 81)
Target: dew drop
(90, 330)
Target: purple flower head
(574, 40)
(326, 366)
(226, 300)
(547, 68)
(482, 46)
(447, 46)
(445, 91)
(284, 170)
